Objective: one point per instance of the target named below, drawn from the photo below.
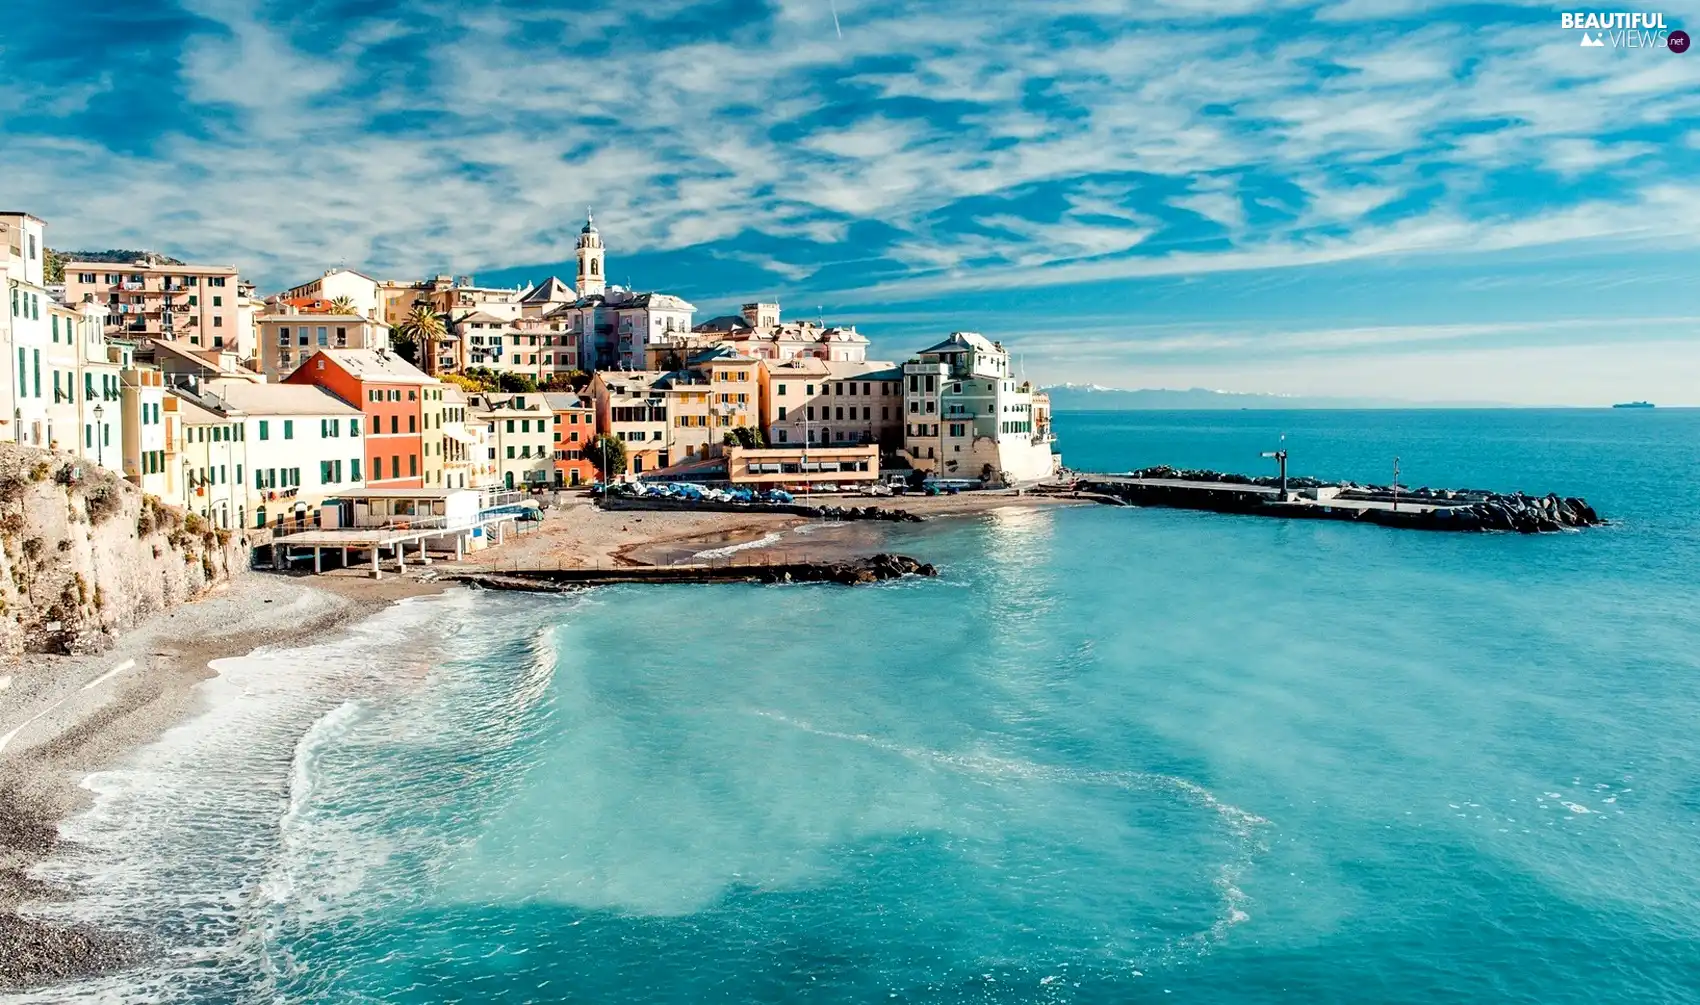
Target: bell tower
(592, 274)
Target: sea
(1110, 755)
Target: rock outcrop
(85, 555)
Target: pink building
(196, 304)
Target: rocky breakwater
(860, 513)
(862, 571)
(1528, 514)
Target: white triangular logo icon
(1589, 41)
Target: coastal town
(350, 402)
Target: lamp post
(99, 436)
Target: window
(354, 427)
(411, 421)
(395, 424)
(324, 471)
(395, 465)
(782, 413)
(217, 301)
(412, 465)
(265, 429)
(510, 451)
(324, 335)
(289, 429)
(354, 469)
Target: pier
(854, 572)
(1310, 499)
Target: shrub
(103, 504)
(40, 470)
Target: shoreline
(65, 718)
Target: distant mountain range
(1095, 397)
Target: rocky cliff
(85, 555)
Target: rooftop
(279, 399)
(372, 364)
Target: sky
(1420, 201)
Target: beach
(62, 718)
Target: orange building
(575, 428)
(396, 400)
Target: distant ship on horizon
(1634, 404)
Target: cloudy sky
(1354, 197)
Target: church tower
(592, 274)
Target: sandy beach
(62, 718)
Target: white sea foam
(213, 838)
(733, 549)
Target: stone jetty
(1314, 499)
(855, 572)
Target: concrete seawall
(861, 571)
(1420, 510)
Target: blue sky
(1387, 197)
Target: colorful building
(196, 304)
(631, 408)
(292, 330)
(574, 429)
(392, 394)
(518, 430)
(810, 400)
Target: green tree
(573, 380)
(344, 305)
(607, 454)
(748, 437)
(417, 335)
(465, 383)
(518, 383)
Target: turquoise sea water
(1111, 755)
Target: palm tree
(344, 305)
(418, 334)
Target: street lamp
(99, 436)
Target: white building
(519, 433)
(966, 416)
(758, 331)
(301, 444)
(611, 325)
(361, 289)
(85, 413)
(28, 320)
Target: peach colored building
(292, 330)
(197, 304)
